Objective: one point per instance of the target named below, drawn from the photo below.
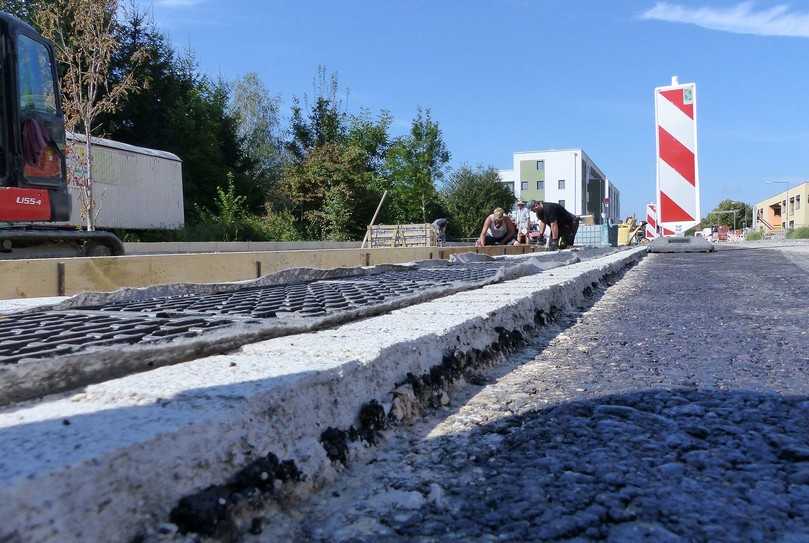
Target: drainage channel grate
(53, 333)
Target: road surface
(674, 408)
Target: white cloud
(177, 3)
(743, 18)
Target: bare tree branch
(83, 34)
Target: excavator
(33, 173)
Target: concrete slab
(104, 464)
(679, 244)
(24, 304)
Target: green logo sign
(688, 95)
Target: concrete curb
(106, 464)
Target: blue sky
(508, 75)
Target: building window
(562, 203)
(561, 184)
(541, 166)
(540, 185)
(797, 202)
(524, 185)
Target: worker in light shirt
(522, 220)
(498, 229)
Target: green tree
(275, 226)
(182, 112)
(330, 191)
(25, 9)
(413, 165)
(334, 161)
(743, 216)
(470, 195)
(371, 134)
(257, 116)
(318, 124)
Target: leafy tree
(257, 116)
(331, 176)
(338, 206)
(25, 9)
(275, 226)
(470, 195)
(744, 215)
(413, 165)
(370, 134)
(183, 112)
(329, 185)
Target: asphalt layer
(674, 408)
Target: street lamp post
(786, 211)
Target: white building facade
(567, 177)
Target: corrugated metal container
(135, 187)
(596, 235)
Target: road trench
(602, 429)
(212, 427)
(263, 501)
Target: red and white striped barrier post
(677, 170)
(651, 221)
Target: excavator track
(18, 243)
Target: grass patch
(799, 233)
(753, 236)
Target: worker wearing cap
(498, 229)
(563, 224)
(522, 220)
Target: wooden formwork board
(68, 276)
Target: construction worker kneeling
(562, 223)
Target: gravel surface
(616, 425)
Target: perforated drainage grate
(52, 333)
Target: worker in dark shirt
(563, 224)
